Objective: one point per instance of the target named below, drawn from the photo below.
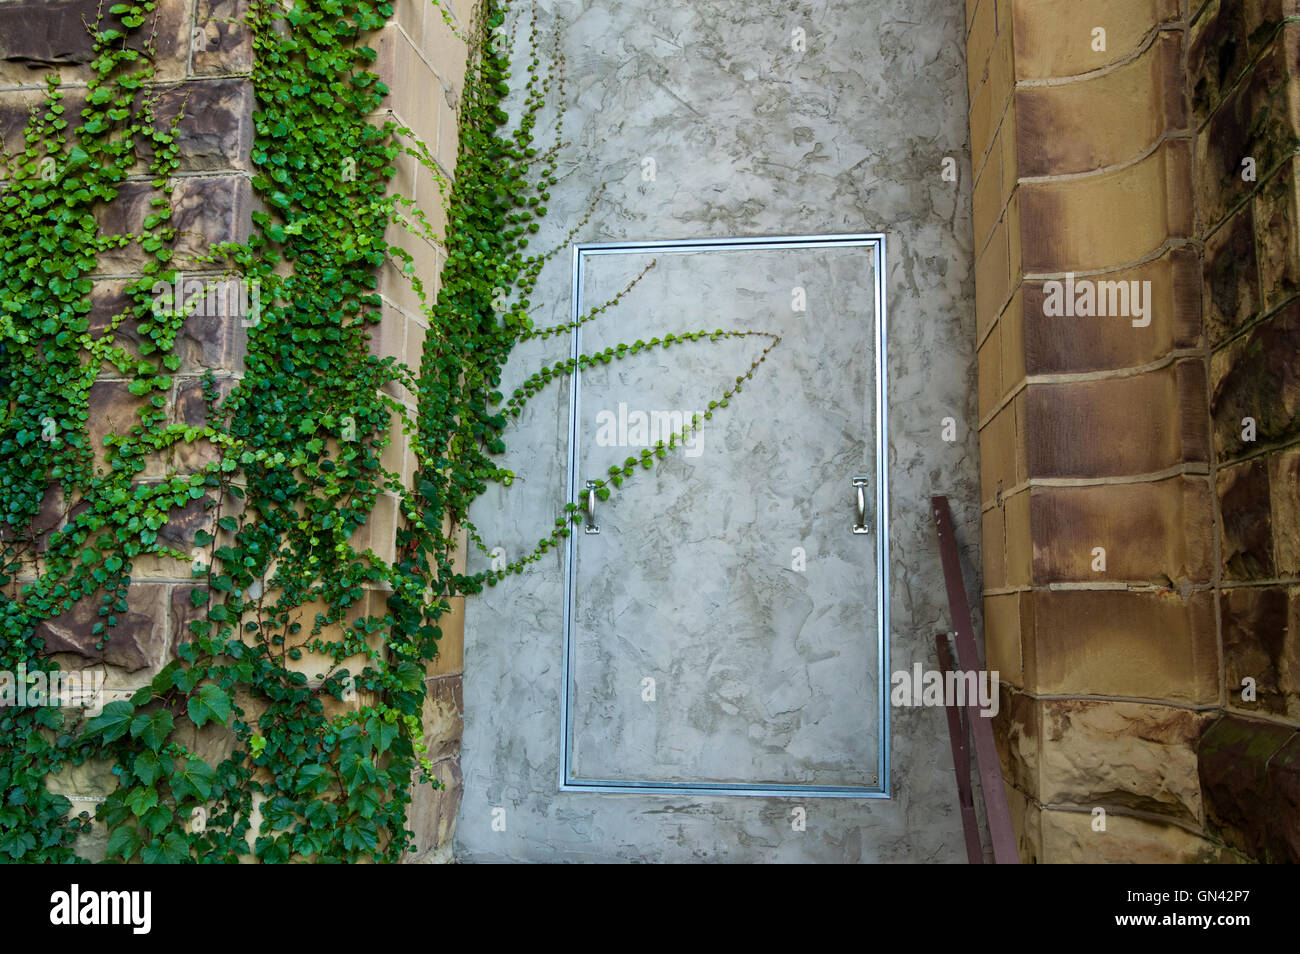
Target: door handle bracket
(861, 525)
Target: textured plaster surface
(749, 136)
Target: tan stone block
(432, 198)
(1140, 424)
(433, 812)
(1015, 253)
(986, 203)
(451, 647)
(1025, 824)
(1158, 532)
(1022, 440)
(992, 285)
(993, 547)
(411, 13)
(1110, 219)
(1002, 69)
(1123, 643)
(138, 644)
(1055, 40)
(979, 43)
(1017, 732)
(990, 373)
(997, 455)
(448, 135)
(1057, 126)
(1121, 755)
(1012, 326)
(416, 331)
(983, 124)
(414, 90)
(400, 286)
(1002, 636)
(379, 532)
(226, 41)
(114, 412)
(1010, 159)
(447, 52)
(1069, 838)
(1020, 545)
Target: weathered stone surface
(1025, 823)
(1120, 755)
(1232, 296)
(444, 723)
(1057, 128)
(1246, 510)
(204, 342)
(1057, 345)
(1069, 838)
(451, 646)
(433, 812)
(1258, 377)
(1225, 37)
(1138, 424)
(1284, 483)
(1156, 532)
(138, 641)
(1260, 120)
(216, 132)
(1018, 733)
(1261, 642)
(1284, 784)
(1002, 636)
(1279, 236)
(1110, 219)
(1234, 757)
(1121, 643)
(223, 43)
(206, 210)
(115, 411)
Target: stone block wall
(204, 61)
(1130, 570)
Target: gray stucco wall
(749, 137)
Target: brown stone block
(1284, 484)
(1245, 506)
(451, 646)
(1061, 344)
(444, 721)
(1109, 219)
(1232, 296)
(1053, 40)
(1259, 120)
(1121, 755)
(1224, 40)
(986, 201)
(379, 532)
(115, 412)
(1117, 427)
(206, 210)
(1276, 219)
(993, 548)
(1158, 532)
(1057, 127)
(1261, 642)
(1123, 643)
(1070, 839)
(1002, 636)
(190, 409)
(415, 92)
(1017, 731)
(1283, 777)
(1234, 757)
(38, 37)
(1258, 377)
(216, 131)
(138, 641)
(223, 42)
(204, 342)
(432, 815)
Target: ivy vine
(291, 714)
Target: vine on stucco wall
(292, 713)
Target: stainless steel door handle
(860, 485)
(590, 523)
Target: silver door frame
(567, 782)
